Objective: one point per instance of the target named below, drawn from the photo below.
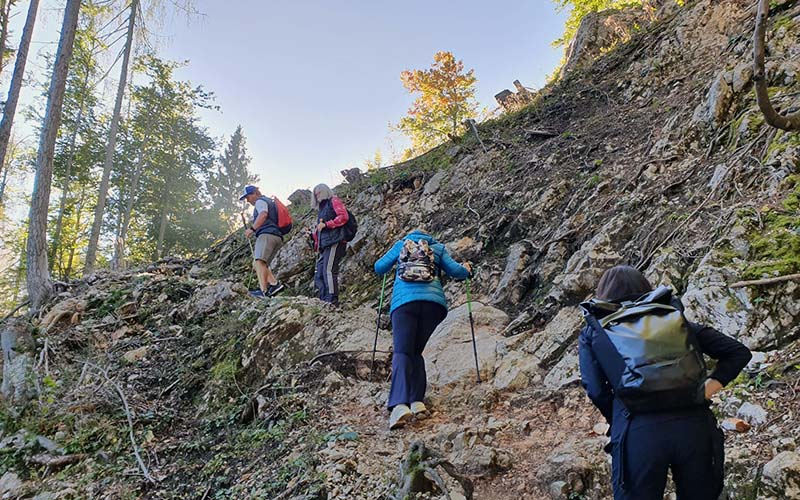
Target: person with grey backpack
(642, 365)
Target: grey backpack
(662, 365)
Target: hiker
(330, 241)
(269, 239)
(418, 306)
(652, 431)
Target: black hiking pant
(412, 326)
(688, 445)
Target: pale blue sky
(315, 83)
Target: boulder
(716, 105)
(781, 476)
(541, 352)
(208, 299)
(449, 357)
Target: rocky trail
(659, 158)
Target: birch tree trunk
(94, 238)
(37, 272)
(10, 108)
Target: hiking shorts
(267, 245)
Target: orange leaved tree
(446, 97)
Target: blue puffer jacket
(405, 291)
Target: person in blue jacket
(644, 446)
(416, 310)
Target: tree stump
(418, 474)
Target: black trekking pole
(472, 328)
(377, 326)
(252, 250)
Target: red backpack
(284, 217)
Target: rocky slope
(653, 154)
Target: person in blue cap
(269, 239)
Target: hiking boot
(257, 293)
(419, 410)
(400, 416)
(274, 289)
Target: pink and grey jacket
(334, 214)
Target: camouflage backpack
(416, 262)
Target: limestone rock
(516, 276)
(714, 109)
(752, 413)
(582, 468)
(565, 372)
(448, 355)
(586, 266)
(781, 476)
(547, 346)
(209, 298)
(10, 485)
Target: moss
(773, 237)
(784, 22)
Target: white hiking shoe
(400, 416)
(419, 410)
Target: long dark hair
(622, 283)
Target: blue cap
(248, 190)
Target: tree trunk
(70, 162)
(5, 15)
(37, 273)
(771, 116)
(94, 238)
(119, 249)
(10, 108)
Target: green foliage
(445, 98)
(232, 174)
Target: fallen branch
(766, 281)
(127, 409)
(48, 460)
(13, 312)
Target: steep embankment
(654, 154)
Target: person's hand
(321, 226)
(712, 386)
(468, 266)
(248, 233)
